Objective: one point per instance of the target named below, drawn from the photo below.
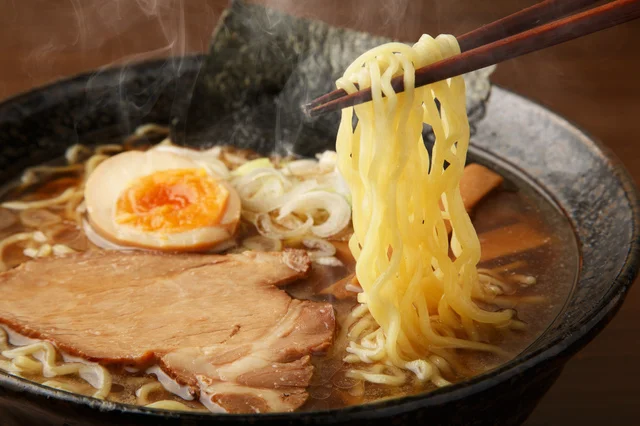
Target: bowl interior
(591, 188)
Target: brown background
(593, 82)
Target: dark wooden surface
(594, 82)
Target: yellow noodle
(4, 345)
(143, 392)
(71, 207)
(524, 280)
(24, 205)
(27, 365)
(442, 364)
(168, 404)
(109, 149)
(404, 200)
(379, 373)
(75, 152)
(69, 387)
(146, 129)
(31, 175)
(42, 357)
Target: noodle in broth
(419, 295)
(426, 309)
(334, 383)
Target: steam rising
(101, 22)
(123, 32)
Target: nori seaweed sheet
(262, 66)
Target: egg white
(114, 175)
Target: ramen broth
(553, 264)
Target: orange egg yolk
(172, 201)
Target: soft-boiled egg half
(161, 201)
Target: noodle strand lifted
(418, 281)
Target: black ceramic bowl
(581, 177)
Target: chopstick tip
(308, 110)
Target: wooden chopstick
(530, 17)
(538, 14)
(550, 34)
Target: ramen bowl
(575, 173)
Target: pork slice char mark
(216, 323)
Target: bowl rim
(576, 338)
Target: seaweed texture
(263, 65)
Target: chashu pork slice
(215, 323)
